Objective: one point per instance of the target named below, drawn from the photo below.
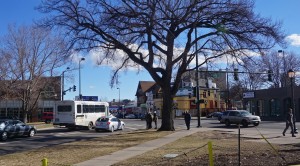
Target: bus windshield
(64, 108)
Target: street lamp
(120, 102)
(63, 84)
(80, 95)
(291, 75)
(197, 85)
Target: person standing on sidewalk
(148, 119)
(187, 119)
(289, 122)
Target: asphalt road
(56, 136)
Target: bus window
(64, 108)
(99, 108)
(91, 109)
(85, 109)
(79, 109)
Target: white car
(109, 123)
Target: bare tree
(29, 54)
(278, 62)
(161, 36)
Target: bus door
(79, 115)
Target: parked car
(110, 123)
(14, 128)
(214, 115)
(47, 117)
(130, 116)
(240, 117)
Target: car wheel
(112, 129)
(256, 124)
(227, 122)
(244, 123)
(90, 126)
(4, 136)
(31, 133)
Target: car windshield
(102, 120)
(245, 113)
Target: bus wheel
(90, 126)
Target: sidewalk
(271, 136)
(137, 150)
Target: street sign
(87, 98)
(247, 95)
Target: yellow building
(211, 98)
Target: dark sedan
(14, 128)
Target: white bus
(74, 114)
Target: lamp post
(120, 102)
(284, 65)
(63, 83)
(80, 95)
(291, 75)
(197, 84)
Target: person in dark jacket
(289, 122)
(187, 119)
(148, 119)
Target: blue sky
(95, 79)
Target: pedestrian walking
(155, 119)
(187, 119)
(289, 122)
(148, 119)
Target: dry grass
(75, 152)
(191, 150)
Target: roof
(144, 86)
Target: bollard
(210, 154)
(45, 162)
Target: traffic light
(235, 74)
(270, 72)
(74, 88)
(64, 93)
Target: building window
(2, 112)
(275, 107)
(204, 94)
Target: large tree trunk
(167, 123)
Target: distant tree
(278, 62)
(162, 37)
(29, 54)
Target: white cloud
(294, 39)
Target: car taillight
(108, 123)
